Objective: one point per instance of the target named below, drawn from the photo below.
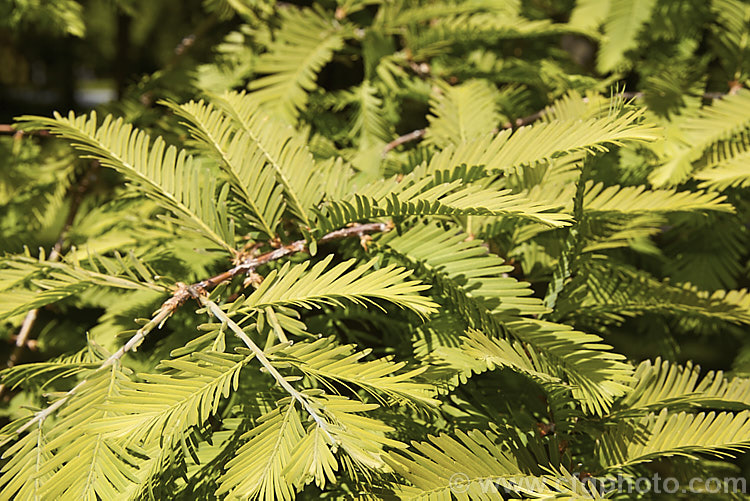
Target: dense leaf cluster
(260, 290)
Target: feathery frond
(624, 21)
(665, 385)
(461, 113)
(464, 266)
(328, 363)
(71, 460)
(166, 174)
(442, 199)
(699, 130)
(734, 174)
(461, 270)
(164, 406)
(368, 122)
(281, 148)
(597, 375)
(473, 465)
(445, 248)
(589, 14)
(62, 367)
(509, 150)
(608, 293)
(674, 434)
(282, 454)
(55, 281)
(599, 199)
(22, 475)
(257, 468)
(311, 289)
(497, 352)
(245, 166)
(304, 43)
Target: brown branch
(184, 292)
(411, 136)
(251, 263)
(523, 121)
(9, 130)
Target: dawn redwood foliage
(387, 249)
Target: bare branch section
(9, 130)
(411, 136)
(198, 291)
(251, 263)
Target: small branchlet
(199, 291)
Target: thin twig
(411, 136)
(188, 41)
(197, 290)
(23, 335)
(157, 321)
(523, 121)
(261, 356)
(182, 48)
(10, 130)
(251, 263)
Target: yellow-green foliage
(267, 294)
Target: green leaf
(21, 476)
(281, 455)
(599, 199)
(596, 374)
(621, 29)
(325, 361)
(474, 466)
(369, 122)
(166, 174)
(164, 406)
(29, 374)
(304, 43)
(471, 281)
(54, 281)
(589, 14)
(452, 261)
(240, 157)
(674, 434)
(608, 292)
(281, 148)
(256, 470)
(444, 199)
(71, 460)
(461, 113)
(661, 384)
(295, 285)
(497, 352)
(733, 174)
(510, 150)
(360, 437)
(699, 130)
